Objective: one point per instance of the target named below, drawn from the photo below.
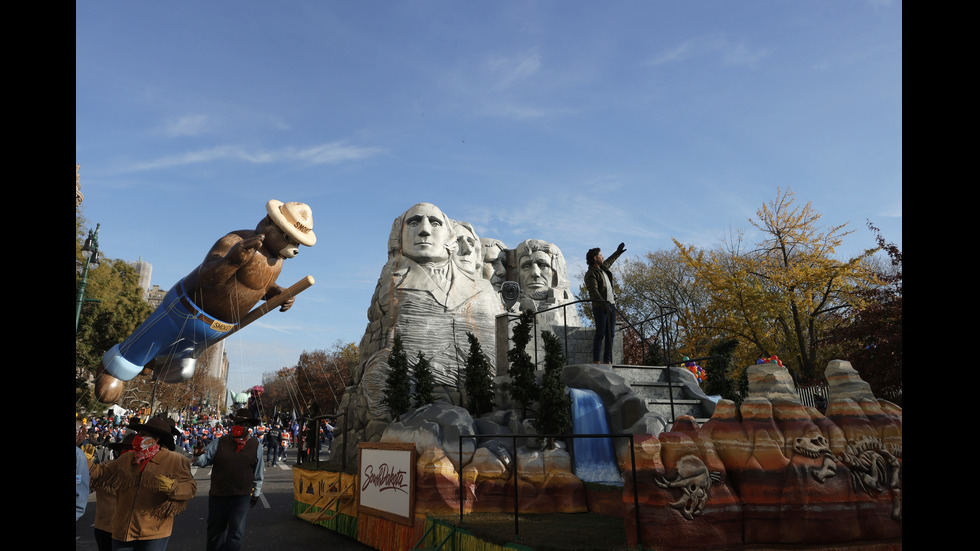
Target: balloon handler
(213, 301)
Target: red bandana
(240, 435)
(143, 454)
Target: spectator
(329, 428)
(273, 442)
(147, 520)
(236, 482)
(105, 498)
(81, 472)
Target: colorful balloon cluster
(699, 373)
(770, 360)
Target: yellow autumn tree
(780, 294)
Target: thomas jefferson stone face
(536, 274)
(469, 255)
(426, 234)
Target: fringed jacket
(142, 511)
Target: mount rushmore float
(767, 471)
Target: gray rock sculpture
(625, 411)
(845, 382)
(494, 261)
(440, 282)
(469, 250)
(436, 425)
(426, 297)
(772, 382)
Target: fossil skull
(816, 446)
(694, 480)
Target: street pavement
(271, 524)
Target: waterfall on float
(595, 460)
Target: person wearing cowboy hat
(236, 482)
(105, 498)
(240, 270)
(152, 485)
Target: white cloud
(329, 153)
(332, 153)
(187, 125)
(505, 71)
(893, 211)
(517, 111)
(732, 51)
(671, 55)
(502, 85)
(739, 53)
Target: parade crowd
(279, 437)
(145, 463)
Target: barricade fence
(808, 394)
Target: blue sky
(581, 123)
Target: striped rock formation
(774, 471)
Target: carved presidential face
(469, 254)
(426, 234)
(493, 262)
(535, 273)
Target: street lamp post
(90, 250)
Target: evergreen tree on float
(424, 381)
(524, 388)
(555, 405)
(398, 386)
(479, 379)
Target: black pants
(605, 326)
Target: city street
(271, 524)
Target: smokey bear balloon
(211, 301)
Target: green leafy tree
(479, 379)
(554, 414)
(114, 307)
(424, 381)
(398, 386)
(524, 387)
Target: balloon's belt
(199, 314)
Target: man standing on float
(599, 282)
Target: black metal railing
(666, 340)
(681, 362)
(514, 437)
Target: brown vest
(233, 474)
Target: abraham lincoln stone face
(536, 273)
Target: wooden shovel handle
(273, 303)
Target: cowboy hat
(294, 218)
(163, 429)
(244, 416)
(125, 444)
